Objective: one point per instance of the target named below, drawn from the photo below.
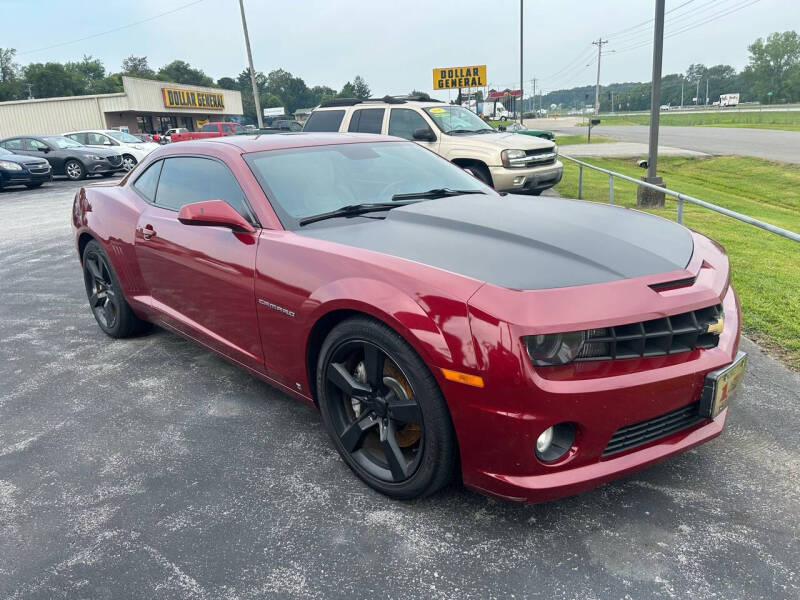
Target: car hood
(520, 242)
(22, 159)
(503, 141)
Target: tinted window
(368, 120)
(13, 144)
(209, 127)
(295, 126)
(324, 120)
(227, 129)
(404, 121)
(187, 179)
(35, 145)
(147, 181)
(238, 129)
(78, 137)
(96, 139)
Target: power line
(695, 25)
(647, 35)
(648, 21)
(121, 27)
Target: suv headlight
(555, 149)
(513, 158)
(554, 348)
(10, 166)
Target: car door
(200, 278)
(403, 122)
(52, 154)
(99, 140)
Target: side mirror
(45, 149)
(501, 128)
(214, 213)
(424, 134)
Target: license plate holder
(720, 385)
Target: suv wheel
(480, 172)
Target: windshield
(4, 152)
(457, 119)
(125, 138)
(62, 142)
(302, 182)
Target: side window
(238, 129)
(226, 129)
(404, 121)
(146, 183)
(186, 179)
(324, 120)
(96, 139)
(35, 145)
(13, 144)
(295, 126)
(367, 120)
(78, 137)
(209, 127)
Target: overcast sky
(394, 44)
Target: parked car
(280, 126)
(536, 349)
(23, 170)
(540, 133)
(66, 156)
(507, 162)
(132, 148)
(166, 137)
(210, 130)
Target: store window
(144, 124)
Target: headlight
(10, 166)
(513, 158)
(555, 149)
(96, 157)
(554, 348)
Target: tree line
(772, 75)
(89, 76)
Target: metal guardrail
(681, 198)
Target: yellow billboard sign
(459, 77)
(181, 98)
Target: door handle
(147, 232)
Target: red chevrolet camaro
(536, 347)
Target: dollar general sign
(459, 77)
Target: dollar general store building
(145, 106)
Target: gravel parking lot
(150, 468)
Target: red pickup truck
(209, 130)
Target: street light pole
(520, 63)
(646, 196)
(252, 70)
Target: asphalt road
(150, 468)
(761, 143)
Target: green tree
(10, 85)
(180, 71)
(320, 93)
(52, 79)
(137, 66)
(360, 88)
(774, 66)
(227, 83)
(348, 91)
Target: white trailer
(728, 100)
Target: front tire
(384, 410)
(109, 307)
(33, 186)
(74, 170)
(480, 172)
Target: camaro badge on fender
(285, 311)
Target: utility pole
(681, 93)
(646, 196)
(252, 70)
(697, 93)
(706, 92)
(30, 91)
(533, 103)
(520, 62)
(599, 43)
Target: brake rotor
(411, 433)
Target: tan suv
(507, 161)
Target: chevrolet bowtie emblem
(716, 327)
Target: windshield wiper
(351, 210)
(462, 131)
(434, 193)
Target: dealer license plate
(720, 385)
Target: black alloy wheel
(110, 309)
(384, 410)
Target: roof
(281, 141)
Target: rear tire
(392, 428)
(109, 307)
(128, 162)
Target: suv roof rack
(340, 102)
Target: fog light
(519, 180)
(554, 442)
(543, 441)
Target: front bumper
(534, 179)
(9, 178)
(99, 167)
(497, 425)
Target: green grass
(497, 124)
(765, 267)
(787, 120)
(569, 140)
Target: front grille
(670, 335)
(638, 434)
(540, 156)
(39, 169)
(115, 160)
